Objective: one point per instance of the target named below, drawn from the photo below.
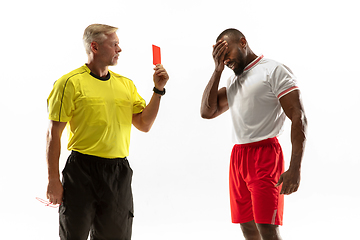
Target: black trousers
(97, 199)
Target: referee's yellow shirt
(98, 111)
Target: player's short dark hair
(234, 34)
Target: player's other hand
(290, 181)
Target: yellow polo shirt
(98, 111)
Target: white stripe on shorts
(273, 218)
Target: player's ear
(243, 43)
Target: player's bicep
(291, 104)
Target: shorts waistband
(96, 158)
(260, 143)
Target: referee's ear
(94, 46)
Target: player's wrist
(219, 69)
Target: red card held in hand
(156, 55)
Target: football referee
(98, 106)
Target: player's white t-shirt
(253, 99)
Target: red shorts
(254, 170)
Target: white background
(180, 181)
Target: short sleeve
(282, 81)
(138, 102)
(61, 101)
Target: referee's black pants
(97, 199)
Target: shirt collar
(107, 77)
(253, 63)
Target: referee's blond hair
(96, 33)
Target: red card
(156, 55)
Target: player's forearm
(298, 139)
(209, 102)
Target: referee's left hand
(290, 181)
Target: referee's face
(109, 50)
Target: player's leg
(240, 196)
(250, 231)
(267, 202)
(269, 231)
